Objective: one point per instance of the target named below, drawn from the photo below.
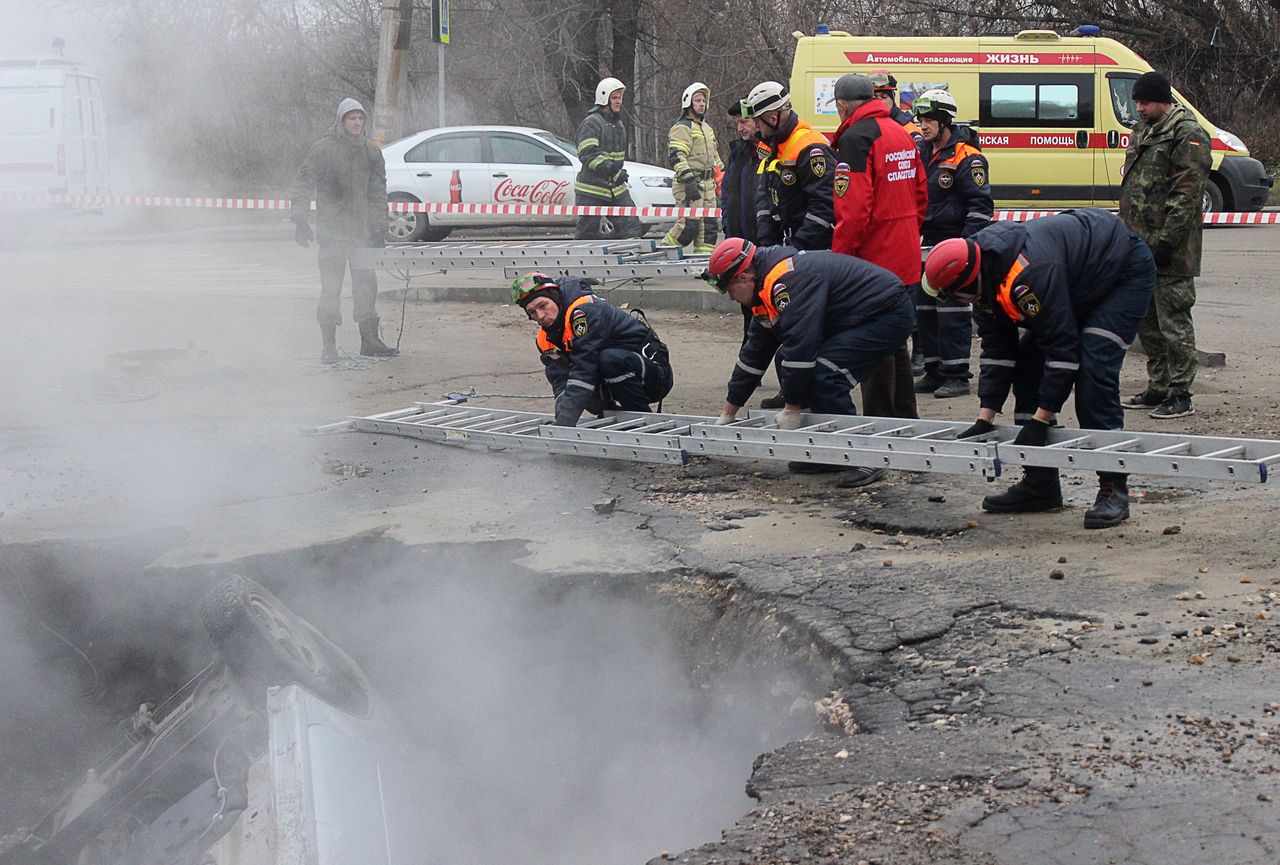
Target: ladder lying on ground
(845, 440)
(604, 260)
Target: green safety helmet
(523, 286)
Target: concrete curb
(681, 299)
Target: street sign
(440, 21)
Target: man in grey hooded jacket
(346, 173)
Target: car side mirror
(556, 159)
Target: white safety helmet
(767, 96)
(936, 101)
(696, 87)
(605, 88)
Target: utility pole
(393, 69)
(440, 34)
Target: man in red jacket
(881, 195)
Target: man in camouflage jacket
(1161, 198)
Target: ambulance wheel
(1213, 196)
(411, 227)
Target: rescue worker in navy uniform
(794, 203)
(602, 179)
(738, 202)
(886, 90)
(595, 355)
(1076, 285)
(960, 205)
(831, 318)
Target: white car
(496, 165)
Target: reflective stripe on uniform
(1062, 364)
(1106, 334)
(751, 370)
(800, 364)
(988, 361)
(577, 383)
(844, 372)
(819, 220)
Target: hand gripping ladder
(912, 445)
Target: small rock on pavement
(605, 506)
(937, 500)
(1056, 574)
(857, 548)
(1011, 781)
(1171, 530)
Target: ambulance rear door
(1038, 128)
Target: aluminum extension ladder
(912, 445)
(559, 256)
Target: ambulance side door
(1038, 129)
(1117, 117)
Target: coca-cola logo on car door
(542, 192)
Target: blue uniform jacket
(1068, 264)
(572, 365)
(960, 202)
(824, 293)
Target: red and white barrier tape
(94, 201)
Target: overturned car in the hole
(277, 753)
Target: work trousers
(631, 381)
(606, 227)
(1105, 334)
(945, 335)
(700, 231)
(851, 355)
(1169, 336)
(364, 287)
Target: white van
(53, 140)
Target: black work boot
(1037, 491)
(370, 344)
(775, 401)
(329, 337)
(1111, 508)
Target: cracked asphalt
(1024, 691)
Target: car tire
(411, 227)
(1214, 198)
(264, 643)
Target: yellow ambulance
(1053, 113)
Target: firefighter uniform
(960, 205)
(829, 318)
(794, 187)
(602, 147)
(596, 355)
(1075, 286)
(694, 157)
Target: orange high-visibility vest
(545, 344)
(766, 309)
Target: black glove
(621, 176)
(692, 192)
(610, 168)
(1034, 433)
(302, 235)
(1163, 253)
(980, 427)
(378, 240)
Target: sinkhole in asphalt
(570, 718)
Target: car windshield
(557, 140)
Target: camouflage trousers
(1169, 336)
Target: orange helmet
(730, 258)
(951, 270)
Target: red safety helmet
(883, 82)
(951, 270)
(730, 258)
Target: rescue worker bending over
(829, 317)
(691, 149)
(1076, 285)
(794, 178)
(602, 180)
(596, 356)
(959, 206)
